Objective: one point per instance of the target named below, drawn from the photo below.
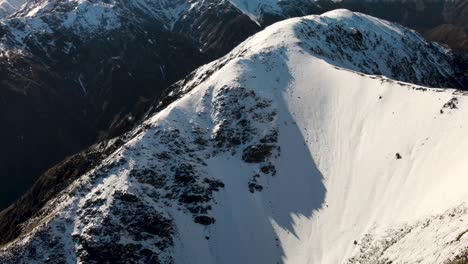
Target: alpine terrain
(76, 72)
(444, 21)
(331, 138)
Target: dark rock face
(52, 182)
(68, 100)
(35, 133)
(133, 224)
(257, 153)
(140, 223)
(70, 88)
(217, 27)
(204, 220)
(452, 104)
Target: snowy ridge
(168, 10)
(278, 153)
(34, 22)
(362, 43)
(86, 19)
(353, 41)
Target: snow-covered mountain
(75, 72)
(447, 22)
(287, 150)
(442, 21)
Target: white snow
(338, 177)
(340, 195)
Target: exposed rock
(257, 153)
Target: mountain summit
(311, 142)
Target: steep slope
(217, 26)
(75, 72)
(441, 21)
(275, 153)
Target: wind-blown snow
(281, 154)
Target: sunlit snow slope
(274, 155)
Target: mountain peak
(285, 151)
(358, 42)
(339, 13)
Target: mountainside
(454, 30)
(444, 21)
(441, 21)
(287, 150)
(76, 72)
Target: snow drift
(283, 151)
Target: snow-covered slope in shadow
(8, 7)
(274, 155)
